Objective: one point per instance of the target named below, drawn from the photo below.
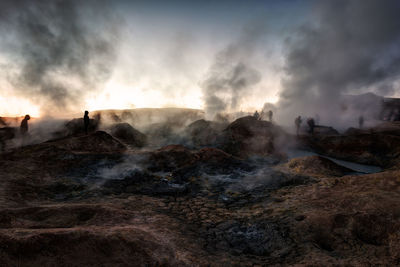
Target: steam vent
(199, 133)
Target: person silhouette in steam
(298, 122)
(311, 125)
(86, 121)
(361, 122)
(24, 125)
(256, 115)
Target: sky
(60, 57)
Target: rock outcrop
(204, 133)
(126, 133)
(97, 142)
(249, 136)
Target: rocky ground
(93, 200)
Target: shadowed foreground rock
(86, 201)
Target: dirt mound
(126, 133)
(325, 130)
(6, 134)
(162, 134)
(356, 131)
(213, 155)
(317, 166)
(171, 157)
(76, 126)
(389, 128)
(374, 149)
(94, 142)
(204, 133)
(385, 128)
(248, 136)
(114, 246)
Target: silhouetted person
(311, 125)
(24, 125)
(256, 115)
(360, 122)
(270, 114)
(298, 122)
(86, 121)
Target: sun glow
(12, 106)
(120, 96)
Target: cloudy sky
(221, 56)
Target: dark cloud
(349, 46)
(61, 50)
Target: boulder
(126, 133)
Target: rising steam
(232, 73)
(60, 50)
(351, 47)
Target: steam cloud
(59, 55)
(231, 74)
(352, 47)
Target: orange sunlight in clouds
(119, 96)
(12, 106)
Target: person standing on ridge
(361, 122)
(256, 115)
(24, 125)
(86, 121)
(311, 125)
(298, 122)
